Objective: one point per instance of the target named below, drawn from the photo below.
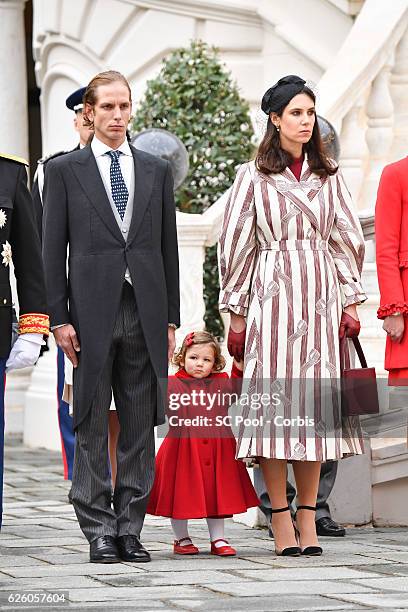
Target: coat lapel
(87, 173)
(144, 178)
(301, 193)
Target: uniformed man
(74, 103)
(20, 243)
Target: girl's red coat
(199, 477)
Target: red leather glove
(349, 327)
(236, 344)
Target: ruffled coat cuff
(357, 299)
(352, 292)
(233, 301)
(390, 309)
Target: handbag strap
(344, 353)
(359, 351)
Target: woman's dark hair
(272, 159)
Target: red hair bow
(189, 339)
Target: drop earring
(277, 128)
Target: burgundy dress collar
(296, 167)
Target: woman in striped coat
(291, 254)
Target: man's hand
(25, 351)
(66, 338)
(171, 343)
(394, 325)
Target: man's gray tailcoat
(77, 212)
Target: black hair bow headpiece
(281, 93)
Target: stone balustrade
(364, 94)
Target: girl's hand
(239, 364)
(394, 325)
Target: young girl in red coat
(197, 475)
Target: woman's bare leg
(307, 476)
(275, 474)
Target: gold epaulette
(15, 158)
(34, 323)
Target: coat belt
(296, 245)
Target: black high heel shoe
(289, 551)
(311, 551)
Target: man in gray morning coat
(115, 314)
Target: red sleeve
(388, 215)
(236, 379)
(236, 372)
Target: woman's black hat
(281, 93)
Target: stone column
(399, 94)
(192, 236)
(13, 79)
(354, 150)
(379, 134)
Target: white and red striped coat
(291, 254)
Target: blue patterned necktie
(119, 190)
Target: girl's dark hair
(272, 159)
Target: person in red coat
(197, 475)
(391, 230)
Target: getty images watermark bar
(218, 408)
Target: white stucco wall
(259, 41)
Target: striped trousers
(128, 373)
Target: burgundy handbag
(359, 394)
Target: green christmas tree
(195, 98)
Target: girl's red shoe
(187, 549)
(222, 551)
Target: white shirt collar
(99, 148)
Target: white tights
(215, 527)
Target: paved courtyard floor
(42, 551)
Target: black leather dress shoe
(131, 549)
(104, 550)
(325, 526)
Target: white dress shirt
(103, 161)
(99, 149)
